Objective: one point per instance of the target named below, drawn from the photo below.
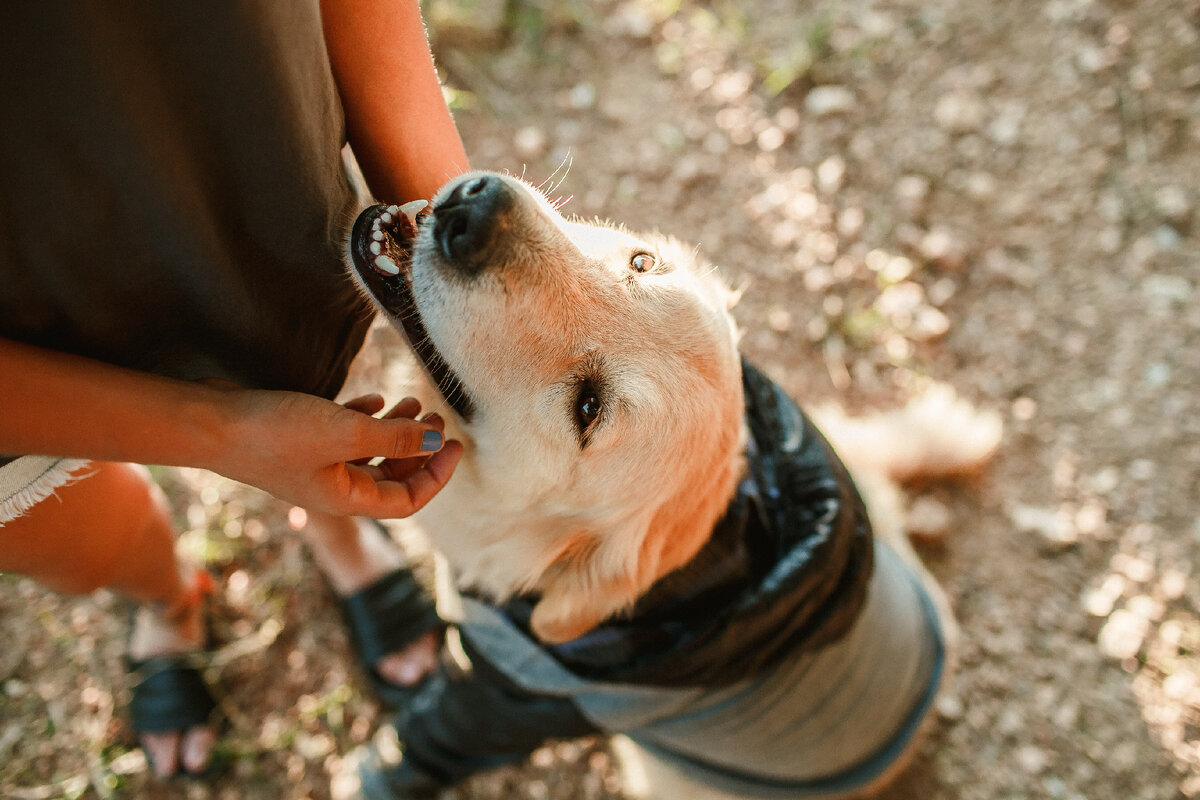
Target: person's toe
(162, 750)
(196, 748)
(408, 666)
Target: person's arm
(298, 447)
(396, 117)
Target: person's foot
(153, 636)
(353, 553)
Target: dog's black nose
(467, 220)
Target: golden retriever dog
(649, 534)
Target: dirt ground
(1001, 196)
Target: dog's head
(595, 381)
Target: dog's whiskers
(549, 185)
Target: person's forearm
(396, 118)
(58, 404)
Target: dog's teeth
(392, 210)
(385, 264)
(377, 236)
(385, 218)
(376, 248)
(411, 209)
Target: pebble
(912, 195)
(530, 141)
(831, 173)
(827, 101)
(1122, 635)
(943, 248)
(928, 324)
(1166, 238)
(929, 519)
(959, 112)
(1173, 203)
(582, 96)
(950, 707)
(1005, 129)
(1054, 528)
(780, 319)
(980, 186)
(1033, 760)
(1163, 291)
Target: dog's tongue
(382, 236)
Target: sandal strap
(171, 694)
(388, 614)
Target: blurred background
(1001, 196)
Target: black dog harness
(785, 571)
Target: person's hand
(339, 459)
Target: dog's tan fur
(592, 527)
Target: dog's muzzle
(469, 220)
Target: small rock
(942, 290)
(1092, 58)
(1110, 239)
(827, 101)
(530, 142)
(468, 24)
(929, 519)
(1033, 760)
(1123, 634)
(780, 319)
(950, 707)
(1173, 203)
(582, 96)
(959, 113)
(1006, 127)
(943, 248)
(912, 194)
(771, 139)
(1163, 291)
(629, 20)
(1024, 409)
(831, 173)
(1166, 238)
(980, 186)
(850, 222)
(928, 324)
(1054, 528)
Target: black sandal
(170, 693)
(384, 617)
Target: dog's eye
(643, 262)
(587, 407)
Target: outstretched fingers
(420, 486)
(398, 492)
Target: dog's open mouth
(381, 248)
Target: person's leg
(353, 553)
(110, 528)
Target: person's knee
(110, 519)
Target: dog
(651, 537)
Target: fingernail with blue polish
(431, 440)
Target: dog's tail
(937, 434)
